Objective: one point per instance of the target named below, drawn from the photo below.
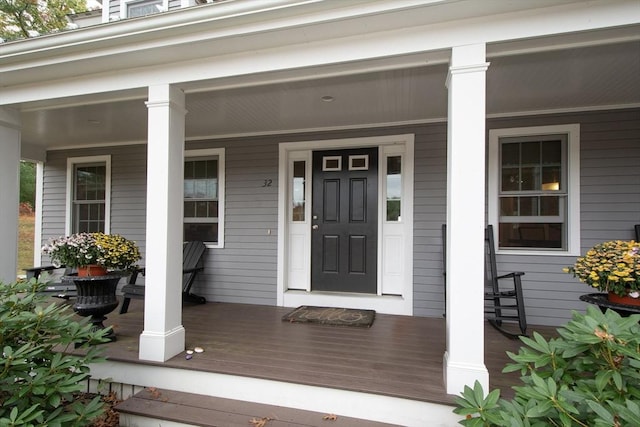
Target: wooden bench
(193, 409)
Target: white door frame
(395, 239)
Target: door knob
(314, 226)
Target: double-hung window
(533, 188)
(88, 183)
(204, 196)
(138, 8)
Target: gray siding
(244, 271)
(128, 191)
(609, 205)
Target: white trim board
(395, 286)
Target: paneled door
(344, 235)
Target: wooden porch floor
(398, 356)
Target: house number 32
(267, 183)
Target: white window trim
(71, 163)
(124, 3)
(573, 180)
(193, 154)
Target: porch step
(151, 405)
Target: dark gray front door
(344, 236)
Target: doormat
(331, 316)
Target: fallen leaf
(260, 422)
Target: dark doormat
(331, 316)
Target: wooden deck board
(209, 411)
(398, 356)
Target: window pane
(552, 152)
(212, 209)
(551, 178)
(202, 210)
(206, 232)
(530, 178)
(550, 205)
(189, 209)
(394, 188)
(212, 189)
(531, 235)
(297, 191)
(528, 206)
(189, 189)
(189, 170)
(509, 206)
(510, 155)
(510, 179)
(143, 8)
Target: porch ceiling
(595, 76)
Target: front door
(344, 235)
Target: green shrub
(39, 379)
(589, 376)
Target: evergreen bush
(588, 376)
(39, 379)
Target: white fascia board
(244, 56)
(220, 20)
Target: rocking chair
(191, 264)
(503, 302)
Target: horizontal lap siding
(609, 205)
(430, 209)
(245, 270)
(128, 191)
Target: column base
(457, 375)
(161, 346)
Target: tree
(27, 182)
(28, 18)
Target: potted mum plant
(93, 254)
(101, 260)
(612, 267)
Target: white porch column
(9, 192)
(464, 358)
(164, 336)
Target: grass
(26, 227)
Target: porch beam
(464, 357)
(9, 191)
(164, 336)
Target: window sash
(89, 189)
(529, 161)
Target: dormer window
(135, 9)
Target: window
(88, 183)
(135, 9)
(533, 188)
(298, 191)
(394, 187)
(204, 196)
